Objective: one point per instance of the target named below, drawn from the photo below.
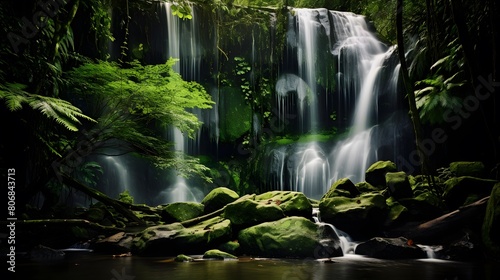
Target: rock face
(181, 211)
(375, 174)
(218, 198)
(390, 248)
(361, 216)
(491, 224)
(295, 237)
(174, 239)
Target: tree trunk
(408, 86)
(442, 227)
(117, 205)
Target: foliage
(59, 110)
(126, 197)
(130, 101)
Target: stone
(364, 187)
(398, 214)
(218, 198)
(183, 258)
(118, 243)
(360, 217)
(249, 212)
(398, 184)
(172, 239)
(425, 206)
(342, 187)
(291, 203)
(459, 189)
(390, 248)
(181, 211)
(467, 168)
(291, 237)
(375, 174)
(218, 255)
(231, 247)
(491, 224)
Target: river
(97, 267)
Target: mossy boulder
(375, 174)
(462, 190)
(249, 212)
(181, 211)
(183, 258)
(293, 237)
(342, 187)
(172, 239)
(390, 248)
(398, 214)
(365, 187)
(360, 217)
(467, 168)
(218, 198)
(292, 203)
(218, 255)
(491, 224)
(424, 206)
(231, 247)
(398, 184)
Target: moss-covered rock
(231, 247)
(218, 198)
(397, 214)
(390, 248)
(375, 174)
(294, 237)
(218, 255)
(398, 184)
(174, 238)
(458, 190)
(361, 216)
(342, 187)
(249, 212)
(181, 211)
(292, 203)
(424, 206)
(491, 224)
(183, 258)
(467, 168)
(365, 187)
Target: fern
(59, 110)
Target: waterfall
(366, 73)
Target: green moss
(218, 198)
(218, 254)
(182, 211)
(292, 203)
(491, 224)
(183, 258)
(249, 212)
(235, 115)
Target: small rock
(218, 255)
(183, 258)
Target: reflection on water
(94, 267)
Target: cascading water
(366, 73)
(361, 59)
